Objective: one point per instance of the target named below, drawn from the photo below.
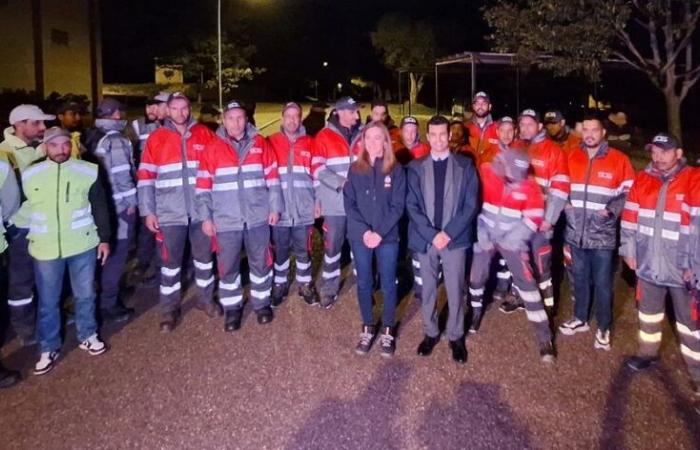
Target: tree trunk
(673, 114)
(416, 82)
(200, 87)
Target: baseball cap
(70, 105)
(517, 164)
(108, 106)
(553, 116)
(408, 120)
(481, 94)
(664, 141)
(28, 112)
(233, 104)
(291, 105)
(529, 113)
(346, 103)
(160, 97)
(178, 95)
(55, 133)
(506, 119)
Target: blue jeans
(593, 267)
(387, 258)
(49, 280)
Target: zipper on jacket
(657, 251)
(290, 178)
(68, 192)
(185, 172)
(58, 213)
(585, 200)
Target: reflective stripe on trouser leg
(688, 331)
(20, 289)
(299, 243)
(333, 239)
(203, 261)
(172, 249)
(542, 256)
(417, 280)
(503, 276)
(281, 243)
(524, 281)
(479, 275)
(651, 315)
(230, 244)
(257, 245)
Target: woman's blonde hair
(363, 161)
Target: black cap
(664, 141)
(108, 106)
(71, 105)
(553, 116)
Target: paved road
(298, 384)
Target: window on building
(59, 37)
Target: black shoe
(639, 363)
(232, 320)
(327, 301)
(547, 353)
(387, 342)
(366, 340)
(8, 377)
(170, 321)
(211, 309)
(459, 351)
(264, 315)
(279, 294)
(476, 320)
(117, 313)
(308, 293)
(427, 345)
(511, 307)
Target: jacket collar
(167, 123)
(602, 152)
(12, 140)
(107, 125)
(489, 121)
(666, 176)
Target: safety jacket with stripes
(569, 143)
(20, 155)
(482, 139)
(143, 129)
(551, 173)
(294, 167)
(116, 154)
(694, 203)
(331, 161)
(168, 172)
(511, 212)
(238, 185)
(656, 225)
(405, 154)
(598, 183)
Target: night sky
(293, 37)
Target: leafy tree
(654, 37)
(200, 62)
(405, 44)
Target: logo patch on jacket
(305, 154)
(537, 163)
(680, 197)
(198, 147)
(255, 151)
(387, 181)
(519, 196)
(605, 175)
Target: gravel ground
(298, 384)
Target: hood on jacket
(107, 125)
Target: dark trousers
(172, 250)
(145, 247)
(20, 291)
(541, 247)
(387, 259)
(592, 265)
(333, 240)
(292, 240)
(230, 245)
(113, 270)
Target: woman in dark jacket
(374, 202)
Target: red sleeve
(559, 172)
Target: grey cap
(506, 119)
(346, 103)
(54, 133)
(531, 113)
(233, 104)
(664, 141)
(160, 97)
(108, 106)
(408, 120)
(516, 163)
(481, 94)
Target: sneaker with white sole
(93, 345)
(602, 340)
(573, 326)
(46, 362)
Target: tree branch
(690, 22)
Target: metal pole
(437, 98)
(517, 89)
(473, 76)
(409, 96)
(221, 94)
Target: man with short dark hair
(409, 147)
(559, 132)
(379, 112)
(335, 149)
(21, 148)
(481, 127)
(443, 191)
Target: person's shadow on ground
(363, 423)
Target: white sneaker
(93, 345)
(46, 362)
(573, 326)
(602, 340)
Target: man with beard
(70, 117)
(481, 127)
(601, 177)
(335, 149)
(116, 156)
(166, 189)
(379, 112)
(560, 133)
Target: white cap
(162, 97)
(28, 112)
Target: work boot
(279, 294)
(232, 319)
(309, 294)
(8, 377)
(264, 315)
(170, 321)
